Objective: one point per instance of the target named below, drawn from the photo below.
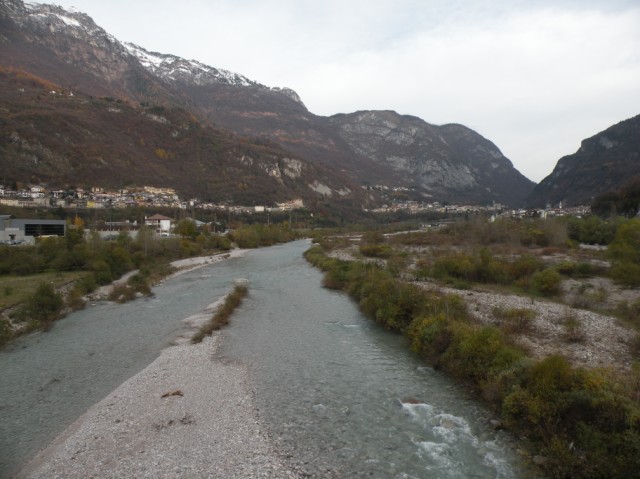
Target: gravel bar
(188, 414)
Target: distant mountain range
(144, 117)
(447, 163)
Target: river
(340, 396)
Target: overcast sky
(534, 77)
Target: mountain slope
(51, 135)
(604, 162)
(449, 162)
(251, 109)
(69, 49)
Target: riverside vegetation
(578, 422)
(40, 283)
(223, 313)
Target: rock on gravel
(206, 425)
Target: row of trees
(103, 261)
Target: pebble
(212, 430)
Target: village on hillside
(38, 196)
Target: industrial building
(18, 231)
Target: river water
(340, 396)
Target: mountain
(449, 162)
(439, 163)
(69, 49)
(49, 134)
(446, 163)
(603, 163)
(79, 108)
(254, 110)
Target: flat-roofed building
(16, 230)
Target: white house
(161, 224)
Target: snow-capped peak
(174, 68)
(72, 21)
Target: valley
(406, 302)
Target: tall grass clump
(223, 313)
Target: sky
(534, 77)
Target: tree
(624, 252)
(186, 228)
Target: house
(13, 230)
(37, 192)
(159, 223)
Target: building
(160, 224)
(14, 230)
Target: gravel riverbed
(188, 414)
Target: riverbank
(188, 414)
(180, 266)
(553, 372)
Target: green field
(14, 289)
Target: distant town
(494, 210)
(39, 196)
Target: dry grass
(514, 320)
(223, 314)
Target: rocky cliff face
(605, 162)
(449, 162)
(69, 49)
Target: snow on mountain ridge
(55, 20)
(73, 22)
(174, 68)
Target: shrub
(74, 300)
(629, 312)
(591, 230)
(478, 353)
(453, 265)
(535, 405)
(376, 250)
(546, 282)
(514, 320)
(396, 264)
(43, 306)
(523, 268)
(121, 293)
(140, 284)
(101, 271)
(535, 237)
(625, 254)
(573, 330)
(430, 336)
